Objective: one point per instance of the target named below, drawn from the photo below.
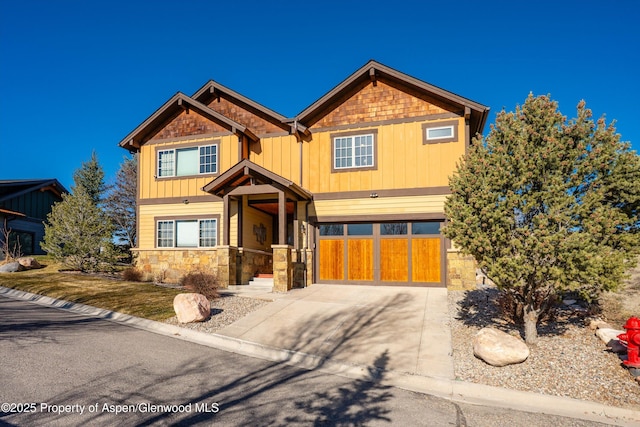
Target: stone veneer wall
(169, 265)
(461, 271)
(254, 262)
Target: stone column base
(282, 268)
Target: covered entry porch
(264, 228)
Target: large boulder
(11, 267)
(29, 262)
(191, 307)
(498, 348)
(609, 336)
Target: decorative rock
(498, 348)
(191, 307)
(607, 335)
(568, 301)
(599, 324)
(29, 262)
(11, 267)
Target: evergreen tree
(78, 233)
(547, 206)
(120, 204)
(91, 176)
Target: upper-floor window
(440, 132)
(188, 161)
(354, 150)
(187, 233)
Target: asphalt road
(62, 369)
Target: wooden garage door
(385, 253)
(332, 259)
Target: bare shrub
(8, 252)
(201, 282)
(132, 274)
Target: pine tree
(91, 176)
(547, 206)
(78, 233)
(120, 204)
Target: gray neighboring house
(24, 206)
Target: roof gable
(374, 73)
(10, 189)
(242, 109)
(174, 107)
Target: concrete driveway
(405, 329)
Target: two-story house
(24, 206)
(351, 190)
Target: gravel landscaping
(569, 359)
(224, 311)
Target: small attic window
(440, 132)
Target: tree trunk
(531, 324)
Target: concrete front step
(261, 281)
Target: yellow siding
(379, 206)
(251, 217)
(402, 160)
(152, 187)
(148, 214)
(280, 155)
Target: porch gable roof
(247, 173)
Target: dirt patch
(618, 306)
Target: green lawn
(135, 298)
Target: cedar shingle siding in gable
(186, 125)
(377, 103)
(233, 111)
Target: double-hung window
(354, 151)
(188, 161)
(187, 233)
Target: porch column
(227, 268)
(282, 218)
(226, 219)
(282, 268)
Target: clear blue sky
(78, 76)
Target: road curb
(457, 391)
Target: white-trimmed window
(353, 151)
(442, 132)
(188, 161)
(187, 233)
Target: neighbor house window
(187, 233)
(188, 161)
(353, 151)
(440, 132)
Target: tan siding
(149, 213)
(191, 186)
(379, 206)
(279, 154)
(402, 160)
(253, 217)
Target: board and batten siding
(148, 214)
(278, 154)
(378, 206)
(152, 187)
(401, 160)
